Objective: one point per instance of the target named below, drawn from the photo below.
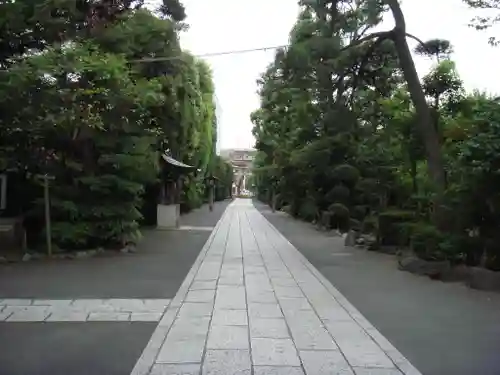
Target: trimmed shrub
(392, 227)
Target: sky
(228, 25)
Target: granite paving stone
(4, 315)
(230, 297)
(227, 362)
(186, 351)
(228, 337)
(264, 310)
(68, 315)
(288, 291)
(27, 313)
(200, 296)
(16, 302)
(261, 296)
(325, 362)
(203, 285)
(364, 353)
(196, 309)
(294, 304)
(108, 316)
(270, 328)
(277, 370)
(178, 369)
(186, 328)
(274, 352)
(230, 317)
(145, 316)
(376, 371)
(52, 302)
(308, 336)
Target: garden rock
(37, 256)
(418, 266)
(456, 274)
(26, 257)
(3, 260)
(350, 239)
(484, 279)
(366, 240)
(81, 254)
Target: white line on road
(82, 310)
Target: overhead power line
(232, 52)
(180, 57)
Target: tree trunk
(425, 121)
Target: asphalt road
(443, 329)
(157, 270)
(109, 348)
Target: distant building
(242, 162)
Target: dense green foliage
(341, 142)
(78, 105)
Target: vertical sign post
(48, 229)
(46, 198)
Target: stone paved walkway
(252, 304)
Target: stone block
(230, 297)
(269, 328)
(228, 337)
(324, 362)
(16, 302)
(187, 351)
(264, 310)
(200, 296)
(261, 296)
(177, 369)
(26, 313)
(108, 316)
(274, 352)
(277, 370)
(203, 285)
(230, 318)
(376, 371)
(227, 362)
(196, 309)
(145, 317)
(67, 315)
(364, 353)
(187, 328)
(292, 292)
